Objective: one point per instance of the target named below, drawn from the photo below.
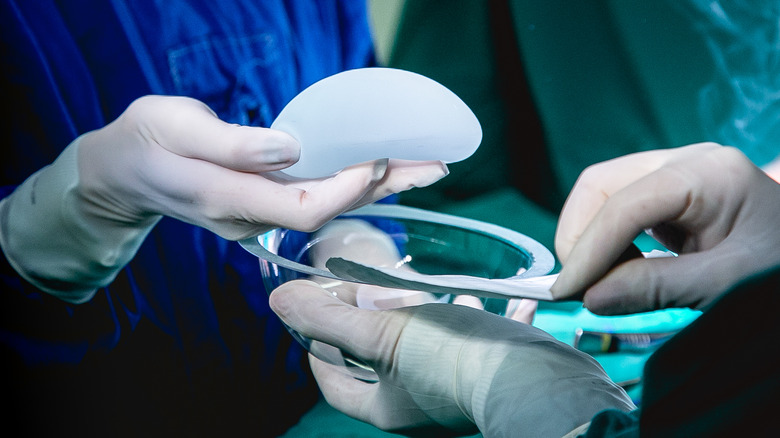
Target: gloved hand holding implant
(74, 224)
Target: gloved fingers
(402, 175)
(382, 404)
(706, 201)
(237, 205)
(353, 187)
(523, 311)
(599, 182)
(654, 199)
(315, 313)
(772, 169)
(172, 156)
(468, 301)
(643, 285)
(354, 239)
(188, 128)
(593, 188)
(310, 209)
(399, 176)
(342, 391)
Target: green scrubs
(560, 85)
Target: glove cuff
(507, 377)
(434, 392)
(53, 244)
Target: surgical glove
(447, 368)
(707, 202)
(73, 225)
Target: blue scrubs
(183, 340)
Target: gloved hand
(707, 202)
(445, 368)
(773, 169)
(71, 226)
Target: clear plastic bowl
(402, 237)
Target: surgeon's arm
(73, 225)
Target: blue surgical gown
(183, 341)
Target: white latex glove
(707, 202)
(73, 225)
(447, 368)
(773, 169)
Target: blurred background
(560, 85)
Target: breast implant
(373, 113)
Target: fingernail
(281, 148)
(431, 175)
(560, 289)
(279, 303)
(380, 168)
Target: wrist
(429, 361)
(52, 240)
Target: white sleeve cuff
(49, 241)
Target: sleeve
(686, 394)
(44, 232)
(719, 375)
(39, 331)
(43, 73)
(49, 236)
(356, 41)
(610, 423)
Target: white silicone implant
(371, 113)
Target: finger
(659, 197)
(468, 301)
(403, 175)
(592, 189)
(188, 128)
(524, 311)
(317, 202)
(342, 391)
(773, 169)
(382, 404)
(354, 239)
(644, 285)
(237, 205)
(599, 182)
(317, 314)
(310, 209)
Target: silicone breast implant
(371, 113)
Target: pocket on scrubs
(239, 77)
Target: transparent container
(403, 238)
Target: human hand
(706, 202)
(773, 169)
(73, 225)
(447, 368)
(172, 156)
